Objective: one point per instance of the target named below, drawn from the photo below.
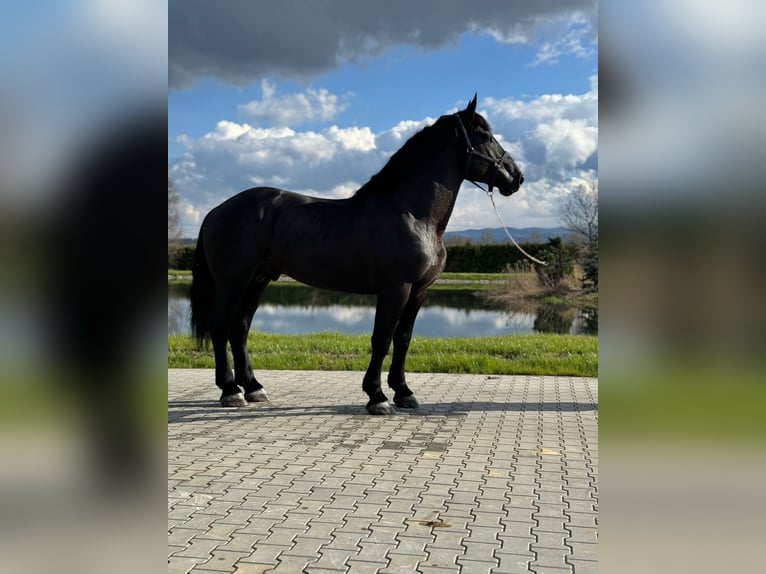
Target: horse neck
(430, 191)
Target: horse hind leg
(244, 376)
(224, 310)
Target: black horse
(385, 240)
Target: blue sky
(319, 108)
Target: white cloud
(567, 142)
(190, 213)
(353, 138)
(293, 109)
(395, 137)
(554, 139)
(344, 190)
(555, 133)
(573, 37)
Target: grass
(452, 276)
(451, 281)
(574, 355)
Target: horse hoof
(236, 400)
(380, 409)
(407, 402)
(258, 396)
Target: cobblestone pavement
(493, 474)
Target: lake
(289, 308)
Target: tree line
(579, 214)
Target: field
(574, 355)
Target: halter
(497, 163)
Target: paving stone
(584, 566)
(513, 563)
(553, 557)
(363, 567)
(182, 564)
(403, 562)
(198, 548)
(290, 564)
(487, 476)
(583, 551)
(476, 567)
(265, 554)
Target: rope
(500, 219)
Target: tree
(174, 222)
(559, 259)
(580, 215)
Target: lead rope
(508, 233)
(488, 191)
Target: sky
(314, 97)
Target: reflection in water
(554, 319)
(296, 309)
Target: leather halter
(497, 163)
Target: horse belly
(326, 258)
(328, 271)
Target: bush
(487, 258)
(590, 266)
(182, 258)
(560, 263)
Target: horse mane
(412, 151)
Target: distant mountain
(486, 235)
(497, 235)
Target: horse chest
(426, 248)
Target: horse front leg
(403, 396)
(389, 308)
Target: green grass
(475, 276)
(468, 281)
(574, 355)
(461, 276)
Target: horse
(385, 240)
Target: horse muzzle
(506, 184)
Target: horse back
(347, 245)
(237, 232)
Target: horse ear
(471, 109)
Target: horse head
(486, 160)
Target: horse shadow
(198, 410)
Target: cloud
(234, 156)
(556, 134)
(250, 40)
(575, 36)
(554, 138)
(293, 109)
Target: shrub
(560, 263)
(182, 258)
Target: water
(297, 309)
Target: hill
(497, 235)
(485, 235)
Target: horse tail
(202, 295)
